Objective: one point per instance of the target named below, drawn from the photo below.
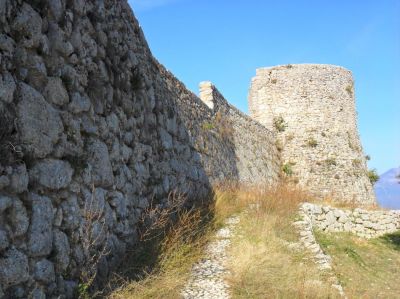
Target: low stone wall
(307, 240)
(364, 223)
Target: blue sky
(224, 41)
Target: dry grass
(350, 205)
(92, 235)
(366, 268)
(282, 200)
(175, 251)
(224, 126)
(262, 264)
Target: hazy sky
(224, 41)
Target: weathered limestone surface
(311, 107)
(92, 123)
(252, 141)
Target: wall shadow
(392, 240)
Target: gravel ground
(207, 278)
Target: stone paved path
(207, 277)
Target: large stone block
(14, 215)
(99, 161)
(18, 218)
(19, 179)
(14, 268)
(39, 124)
(79, 103)
(28, 26)
(71, 213)
(166, 139)
(55, 92)
(7, 87)
(56, 8)
(44, 271)
(61, 250)
(52, 174)
(40, 237)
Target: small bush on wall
(349, 89)
(373, 176)
(311, 142)
(223, 125)
(207, 126)
(287, 168)
(331, 162)
(280, 124)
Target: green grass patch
(391, 240)
(365, 268)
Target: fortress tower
(312, 110)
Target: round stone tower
(311, 108)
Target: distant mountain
(387, 189)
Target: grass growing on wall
(365, 268)
(280, 124)
(373, 176)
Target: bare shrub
(93, 236)
(282, 198)
(280, 124)
(179, 235)
(156, 217)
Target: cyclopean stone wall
(92, 124)
(251, 139)
(312, 109)
(364, 223)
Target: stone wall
(312, 110)
(364, 223)
(91, 123)
(257, 158)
